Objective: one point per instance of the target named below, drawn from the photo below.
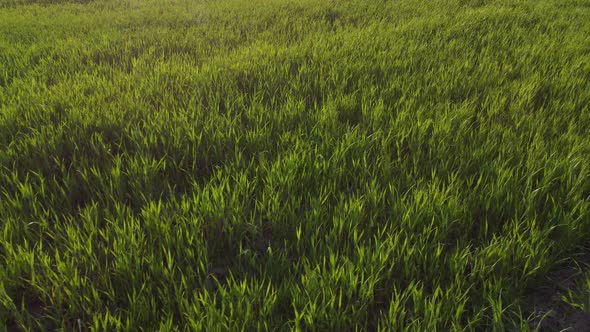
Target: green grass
(290, 164)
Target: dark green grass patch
(291, 165)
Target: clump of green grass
(290, 165)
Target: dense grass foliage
(291, 164)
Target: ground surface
(294, 164)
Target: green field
(305, 165)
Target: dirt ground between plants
(551, 312)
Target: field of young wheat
(251, 165)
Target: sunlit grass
(290, 165)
